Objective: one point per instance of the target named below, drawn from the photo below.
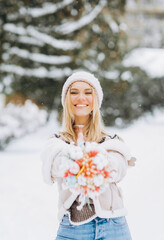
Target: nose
(81, 96)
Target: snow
(151, 60)
(30, 30)
(10, 27)
(38, 57)
(2, 101)
(41, 72)
(127, 76)
(30, 41)
(90, 65)
(142, 4)
(29, 207)
(56, 43)
(112, 24)
(70, 27)
(18, 120)
(111, 74)
(48, 8)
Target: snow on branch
(37, 57)
(60, 44)
(72, 26)
(48, 8)
(56, 43)
(42, 72)
(10, 27)
(112, 24)
(151, 60)
(30, 41)
(113, 75)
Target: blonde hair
(93, 130)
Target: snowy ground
(28, 207)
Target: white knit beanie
(85, 77)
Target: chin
(81, 114)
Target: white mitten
(65, 160)
(49, 154)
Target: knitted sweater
(106, 205)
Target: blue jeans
(97, 229)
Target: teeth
(80, 105)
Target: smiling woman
(82, 88)
(81, 101)
(87, 163)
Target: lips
(81, 105)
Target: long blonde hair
(93, 130)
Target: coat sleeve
(52, 149)
(118, 156)
(118, 166)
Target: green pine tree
(43, 42)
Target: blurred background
(42, 43)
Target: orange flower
(92, 153)
(106, 174)
(85, 190)
(97, 189)
(68, 173)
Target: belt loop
(95, 219)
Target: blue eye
(73, 92)
(88, 93)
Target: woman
(104, 216)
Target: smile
(81, 105)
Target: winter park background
(42, 43)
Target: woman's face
(81, 94)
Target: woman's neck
(81, 120)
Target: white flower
(88, 147)
(75, 152)
(105, 161)
(100, 160)
(113, 176)
(98, 180)
(74, 168)
(82, 180)
(91, 146)
(79, 155)
(93, 194)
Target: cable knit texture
(109, 203)
(87, 212)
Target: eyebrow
(84, 89)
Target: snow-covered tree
(18, 120)
(43, 42)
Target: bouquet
(86, 170)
